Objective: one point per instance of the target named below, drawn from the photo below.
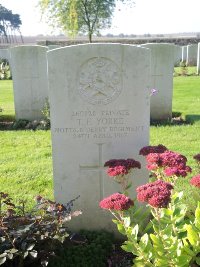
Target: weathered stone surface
(99, 111)
(4, 54)
(191, 59)
(162, 67)
(29, 72)
(177, 55)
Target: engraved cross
(156, 75)
(99, 167)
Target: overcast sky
(147, 16)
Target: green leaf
(30, 246)
(186, 249)
(137, 212)
(13, 250)
(155, 240)
(33, 253)
(177, 197)
(121, 229)
(197, 216)
(155, 226)
(148, 227)
(192, 235)
(25, 254)
(134, 232)
(130, 247)
(10, 256)
(144, 241)
(127, 221)
(179, 211)
(162, 262)
(167, 212)
(44, 263)
(2, 260)
(183, 259)
(197, 259)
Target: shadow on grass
(6, 121)
(177, 119)
(7, 118)
(192, 118)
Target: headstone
(177, 55)
(198, 59)
(184, 53)
(99, 111)
(4, 54)
(29, 72)
(50, 47)
(191, 59)
(162, 67)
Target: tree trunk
(90, 37)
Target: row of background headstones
(29, 65)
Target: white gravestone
(29, 72)
(4, 54)
(198, 59)
(162, 67)
(177, 55)
(50, 47)
(184, 53)
(191, 59)
(99, 111)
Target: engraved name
(86, 124)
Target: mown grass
(26, 164)
(26, 157)
(186, 97)
(6, 100)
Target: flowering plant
(171, 238)
(32, 236)
(120, 170)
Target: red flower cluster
(172, 162)
(118, 170)
(195, 181)
(197, 157)
(156, 194)
(153, 161)
(152, 149)
(178, 171)
(121, 166)
(116, 201)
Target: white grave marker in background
(29, 73)
(191, 59)
(162, 68)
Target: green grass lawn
(26, 164)
(26, 157)
(186, 97)
(6, 100)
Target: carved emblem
(99, 81)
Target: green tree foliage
(84, 16)
(9, 22)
